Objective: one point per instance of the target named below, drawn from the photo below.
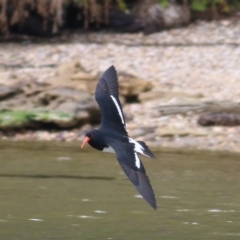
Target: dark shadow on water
(56, 176)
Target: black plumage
(112, 136)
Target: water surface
(58, 191)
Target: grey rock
(8, 91)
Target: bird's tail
(146, 151)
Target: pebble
(202, 58)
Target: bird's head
(89, 137)
(95, 139)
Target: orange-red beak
(86, 139)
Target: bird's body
(113, 137)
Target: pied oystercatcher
(112, 136)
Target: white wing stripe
(137, 160)
(137, 147)
(118, 108)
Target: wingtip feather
(110, 70)
(145, 189)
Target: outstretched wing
(106, 95)
(134, 169)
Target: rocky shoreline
(181, 67)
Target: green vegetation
(121, 4)
(164, 3)
(20, 118)
(16, 13)
(203, 5)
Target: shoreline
(199, 63)
(157, 149)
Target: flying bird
(112, 136)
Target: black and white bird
(112, 136)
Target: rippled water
(58, 191)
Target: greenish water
(58, 191)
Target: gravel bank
(200, 60)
